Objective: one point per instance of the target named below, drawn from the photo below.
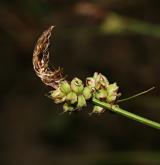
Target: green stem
(116, 109)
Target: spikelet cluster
(75, 94)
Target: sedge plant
(75, 94)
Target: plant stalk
(116, 109)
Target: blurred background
(121, 39)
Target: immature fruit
(81, 101)
(112, 93)
(77, 85)
(101, 94)
(97, 109)
(58, 96)
(87, 93)
(65, 87)
(67, 108)
(71, 97)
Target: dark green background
(32, 131)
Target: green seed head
(87, 93)
(65, 87)
(71, 97)
(77, 85)
(81, 101)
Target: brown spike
(41, 60)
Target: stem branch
(116, 109)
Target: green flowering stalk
(75, 95)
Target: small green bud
(112, 92)
(101, 94)
(67, 107)
(71, 97)
(97, 109)
(87, 93)
(77, 85)
(65, 87)
(58, 96)
(81, 101)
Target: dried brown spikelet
(41, 59)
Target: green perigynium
(65, 87)
(101, 94)
(81, 101)
(71, 97)
(77, 85)
(87, 92)
(58, 96)
(97, 109)
(67, 107)
(112, 94)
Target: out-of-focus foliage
(119, 38)
(115, 24)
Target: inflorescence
(75, 94)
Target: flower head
(74, 94)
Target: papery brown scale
(41, 59)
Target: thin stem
(136, 95)
(116, 109)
